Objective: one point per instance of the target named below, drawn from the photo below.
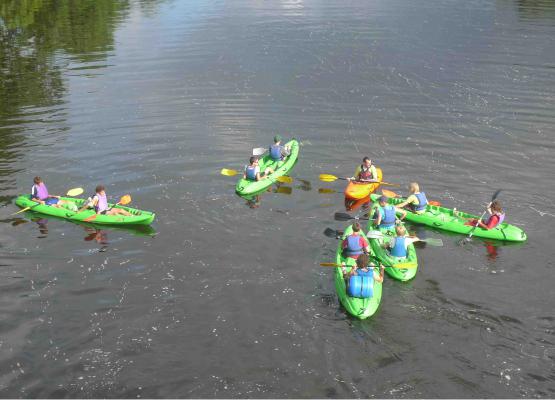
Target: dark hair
(496, 206)
(37, 179)
(100, 188)
(253, 159)
(366, 159)
(362, 261)
(356, 227)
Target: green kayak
(247, 187)
(389, 261)
(359, 308)
(443, 218)
(138, 217)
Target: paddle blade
(284, 179)
(284, 190)
(406, 265)
(258, 151)
(328, 177)
(389, 184)
(434, 203)
(125, 199)
(374, 235)
(329, 264)
(91, 218)
(433, 242)
(75, 192)
(22, 210)
(326, 190)
(339, 216)
(495, 195)
(332, 233)
(228, 172)
(389, 193)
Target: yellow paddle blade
(326, 190)
(125, 199)
(390, 193)
(329, 264)
(406, 265)
(284, 190)
(22, 210)
(328, 177)
(75, 192)
(228, 172)
(284, 179)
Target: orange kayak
(357, 190)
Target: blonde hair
(414, 188)
(400, 229)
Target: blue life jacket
(353, 246)
(250, 172)
(399, 250)
(388, 216)
(361, 286)
(275, 152)
(422, 201)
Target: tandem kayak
(448, 220)
(248, 187)
(137, 217)
(389, 261)
(357, 307)
(358, 190)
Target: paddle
(399, 265)
(233, 172)
(390, 193)
(431, 241)
(479, 219)
(258, 151)
(332, 178)
(339, 216)
(126, 199)
(326, 190)
(71, 192)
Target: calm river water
(153, 98)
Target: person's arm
(411, 239)
(378, 219)
(365, 245)
(88, 204)
(356, 176)
(492, 223)
(403, 213)
(410, 200)
(379, 278)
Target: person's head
(362, 261)
(496, 206)
(367, 162)
(100, 189)
(37, 180)
(277, 139)
(414, 188)
(356, 227)
(253, 160)
(400, 230)
(383, 200)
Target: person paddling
(365, 172)
(417, 201)
(385, 215)
(252, 171)
(278, 152)
(495, 216)
(398, 246)
(99, 202)
(363, 267)
(355, 244)
(39, 193)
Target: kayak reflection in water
(98, 235)
(365, 172)
(43, 226)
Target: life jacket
(353, 246)
(499, 222)
(102, 203)
(40, 191)
(250, 172)
(275, 152)
(388, 216)
(422, 202)
(361, 285)
(399, 249)
(365, 174)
